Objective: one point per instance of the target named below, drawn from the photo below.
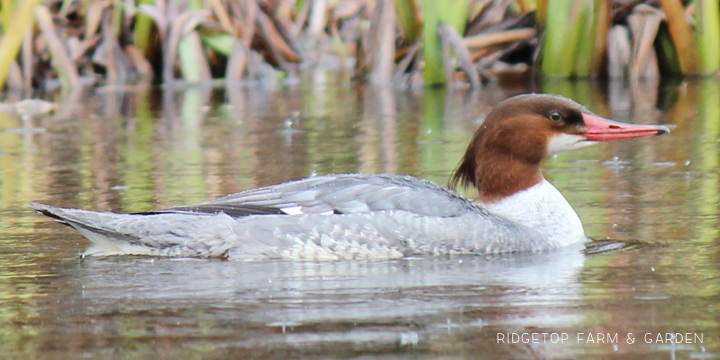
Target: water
(139, 149)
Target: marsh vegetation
(73, 43)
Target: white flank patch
(298, 210)
(563, 141)
(293, 210)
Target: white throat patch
(564, 141)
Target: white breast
(543, 208)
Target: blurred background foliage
(47, 44)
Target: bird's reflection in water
(414, 303)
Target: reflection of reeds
(708, 113)
(115, 41)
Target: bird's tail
(98, 227)
(157, 234)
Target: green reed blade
(410, 23)
(585, 29)
(220, 42)
(12, 39)
(707, 29)
(667, 57)
(453, 12)
(560, 40)
(143, 28)
(7, 11)
(541, 12)
(600, 43)
(682, 36)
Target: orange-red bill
(600, 129)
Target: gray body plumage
(351, 216)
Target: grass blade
(556, 59)
(222, 16)
(183, 23)
(15, 78)
(143, 28)
(10, 44)
(667, 56)
(708, 113)
(117, 14)
(560, 41)
(410, 23)
(237, 61)
(707, 19)
(303, 9)
(602, 26)
(63, 65)
(485, 40)
(193, 64)
(682, 36)
(644, 25)
(27, 57)
(93, 19)
(384, 52)
(282, 50)
(451, 37)
(220, 42)
(541, 12)
(7, 11)
(454, 13)
(619, 51)
(317, 19)
(137, 57)
(585, 28)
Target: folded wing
(339, 194)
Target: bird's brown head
(504, 155)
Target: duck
(384, 216)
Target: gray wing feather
(354, 193)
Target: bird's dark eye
(556, 117)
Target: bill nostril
(614, 127)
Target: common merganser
(361, 216)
